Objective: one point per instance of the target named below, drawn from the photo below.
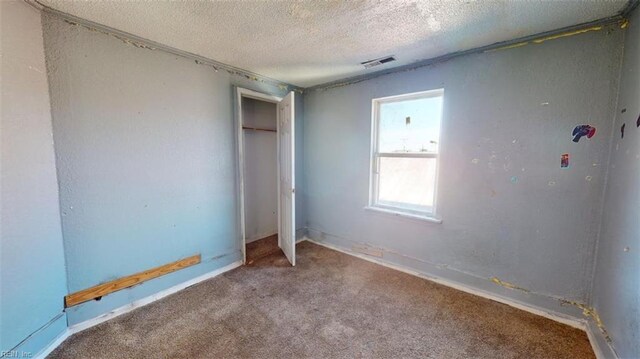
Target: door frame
(246, 93)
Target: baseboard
(76, 328)
(573, 321)
(301, 234)
(601, 346)
(150, 299)
(53, 345)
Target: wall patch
(583, 130)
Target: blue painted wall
(146, 160)
(506, 113)
(32, 272)
(616, 290)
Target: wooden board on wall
(128, 281)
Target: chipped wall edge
(143, 43)
(620, 20)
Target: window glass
(410, 125)
(408, 182)
(405, 152)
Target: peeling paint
(121, 38)
(548, 38)
(567, 34)
(624, 23)
(590, 313)
(146, 44)
(502, 283)
(519, 44)
(206, 64)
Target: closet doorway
(266, 166)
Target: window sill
(418, 217)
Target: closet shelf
(258, 129)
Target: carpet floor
(330, 305)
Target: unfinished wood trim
(128, 281)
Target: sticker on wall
(583, 130)
(622, 130)
(564, 161)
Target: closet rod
(258, 129)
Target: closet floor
(330, 305)
(265, 252)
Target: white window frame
(374, 174)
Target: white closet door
(286, 178)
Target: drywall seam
(141, 42)
(564, 319)
(503, 45)
(603, 193)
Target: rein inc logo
(15, 354)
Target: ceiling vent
(377, 62)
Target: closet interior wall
(260, 172)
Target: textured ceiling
(306, 43)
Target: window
(404, 155)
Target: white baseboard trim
(53, 345)
(594, 334)
(573, 322)
(150, 299)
